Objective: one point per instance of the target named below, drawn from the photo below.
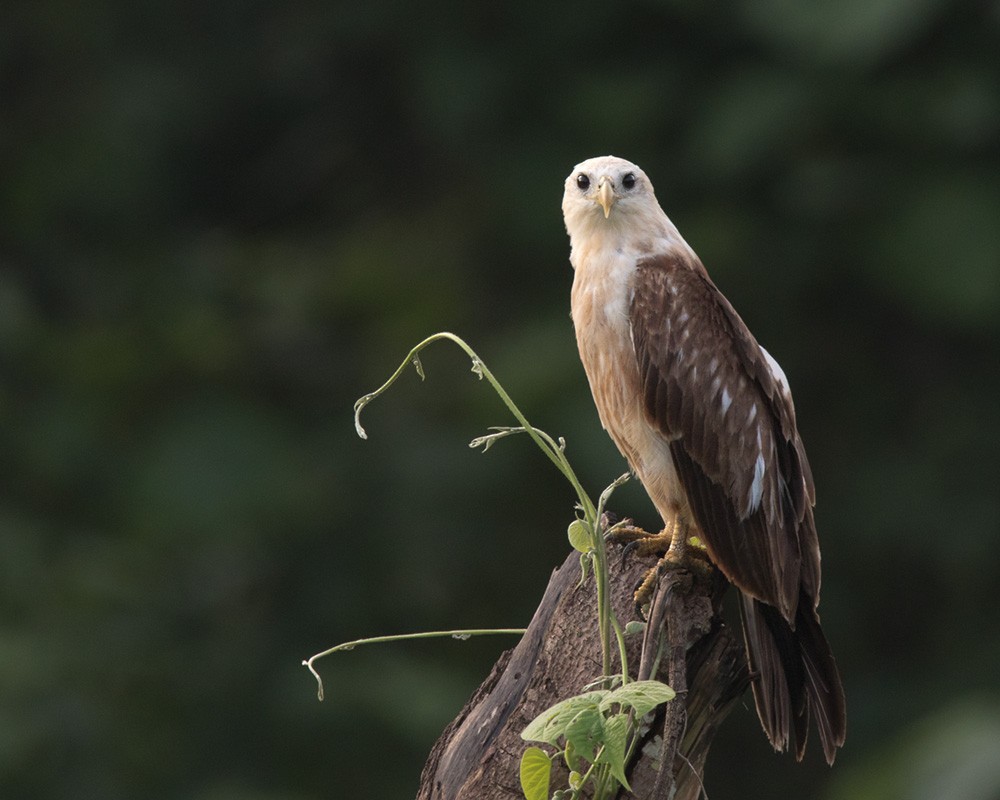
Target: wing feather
(712, 392)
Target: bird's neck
(599, 241)
(605, 255)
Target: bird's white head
(611, 198)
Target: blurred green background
(220, 223)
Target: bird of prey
(704, 417)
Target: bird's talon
(628, 549)
(624, 532)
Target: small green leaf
(643, 696)
(575, 781)
(634, 627)
(535, 771)
(553, 722)
(585, 732)
(616, 731)
(579, 536)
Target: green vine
(595, 732)
(343, 647)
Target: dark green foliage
(220, 223)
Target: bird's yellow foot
(676, 549)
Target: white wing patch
(777, 373)
(726, 400)
(757, 487)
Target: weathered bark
(477, 755)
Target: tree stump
(478, 754)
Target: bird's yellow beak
(606, 196)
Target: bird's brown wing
(708, 388)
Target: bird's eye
(583, 182)
(628, 182)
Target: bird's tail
(794, 676)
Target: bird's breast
(600, 301)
